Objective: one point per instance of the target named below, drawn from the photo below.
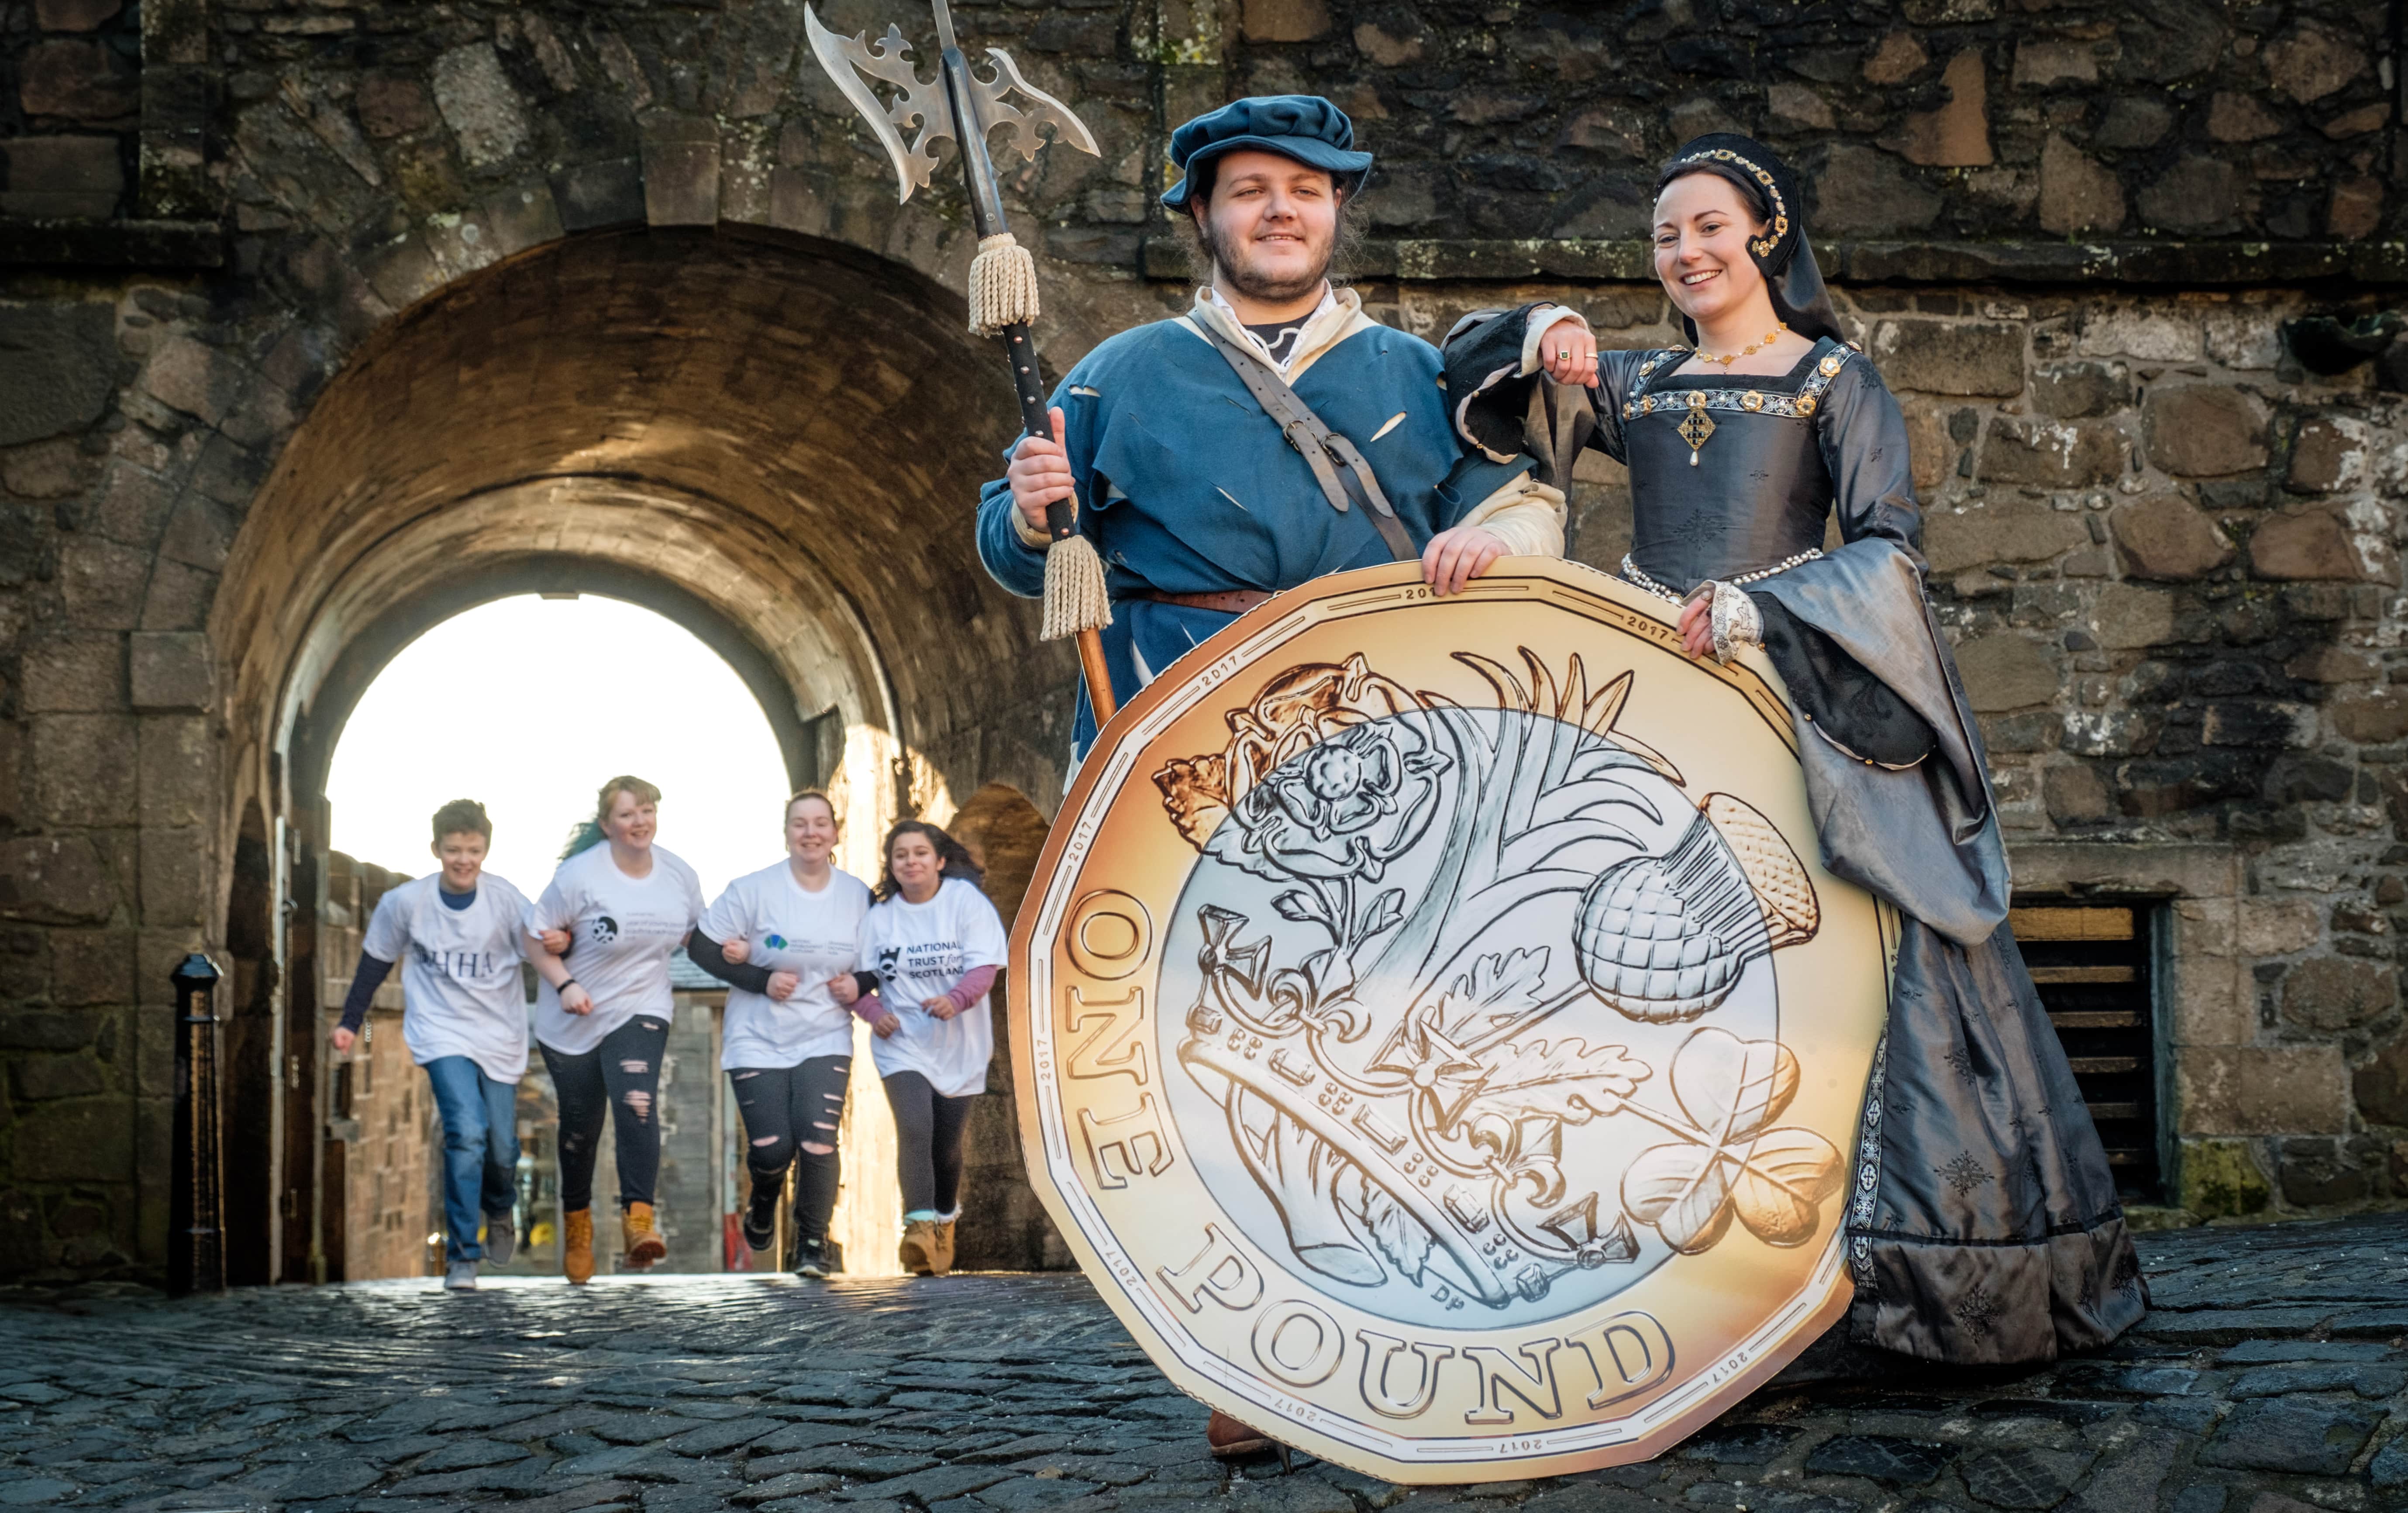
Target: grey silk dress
(1983, 1223)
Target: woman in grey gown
(1983, 1221)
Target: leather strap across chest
(1345, 477)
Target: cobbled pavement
(2271, 1377)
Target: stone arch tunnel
(775, 443)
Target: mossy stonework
(321, 321)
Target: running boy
(463, 1019)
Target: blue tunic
(1185, 485)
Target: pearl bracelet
(1639, 577)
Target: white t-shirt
(919, 950)
(790, 929)
(622, 932)
(461, 993)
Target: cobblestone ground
(2270, 1380)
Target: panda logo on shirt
(606, 929)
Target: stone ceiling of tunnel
(806, 426)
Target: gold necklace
(1769, 337)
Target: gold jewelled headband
(1779, 210)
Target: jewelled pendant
(1695, 428)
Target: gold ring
(1563, 355)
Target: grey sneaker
(501, 1239)
(460, 1276)
(811, 1259)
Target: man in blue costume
(1198, 502)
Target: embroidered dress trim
(1869, 1162)
(1805, 402)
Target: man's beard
(1250, 282)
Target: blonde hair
(587, 833)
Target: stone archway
(776, 442)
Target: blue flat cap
(1305, 127)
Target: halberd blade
(1024, 121)
(848, 58)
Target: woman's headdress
(1782, 252)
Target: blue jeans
(480, 1149)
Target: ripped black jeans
(792, 1115)
(619, 1080)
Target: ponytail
(587, 833)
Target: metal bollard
(197, 1193)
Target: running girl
(929, 952)
(775, 938)
(617, 909)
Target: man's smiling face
(1270, 224)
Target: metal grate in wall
(2092, 965)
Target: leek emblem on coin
(1446, 1052)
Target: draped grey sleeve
(1487, 391)
(1501, 410)
(1863, 438)
(1926, 838)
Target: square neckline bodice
(1795, 378)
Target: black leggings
(787, 1111)
(928, 1143)
(621, 1075)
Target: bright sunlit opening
(528, 704)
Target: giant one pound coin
(1444, 1047)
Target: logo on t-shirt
(456, 963)
(775, 943)
(606, 928)
(920, 959)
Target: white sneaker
(460, 1276)
(501, 1239)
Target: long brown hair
(955, 856)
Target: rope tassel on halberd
(1075, 596)
(1003, 285)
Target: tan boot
(1230, 1440)
(942, 1262)
(644, 1243)
(577, 1246)
(918, 1251)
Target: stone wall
(313, 315)
(385, 1142)
(2168, 560)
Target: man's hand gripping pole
(964, 108)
